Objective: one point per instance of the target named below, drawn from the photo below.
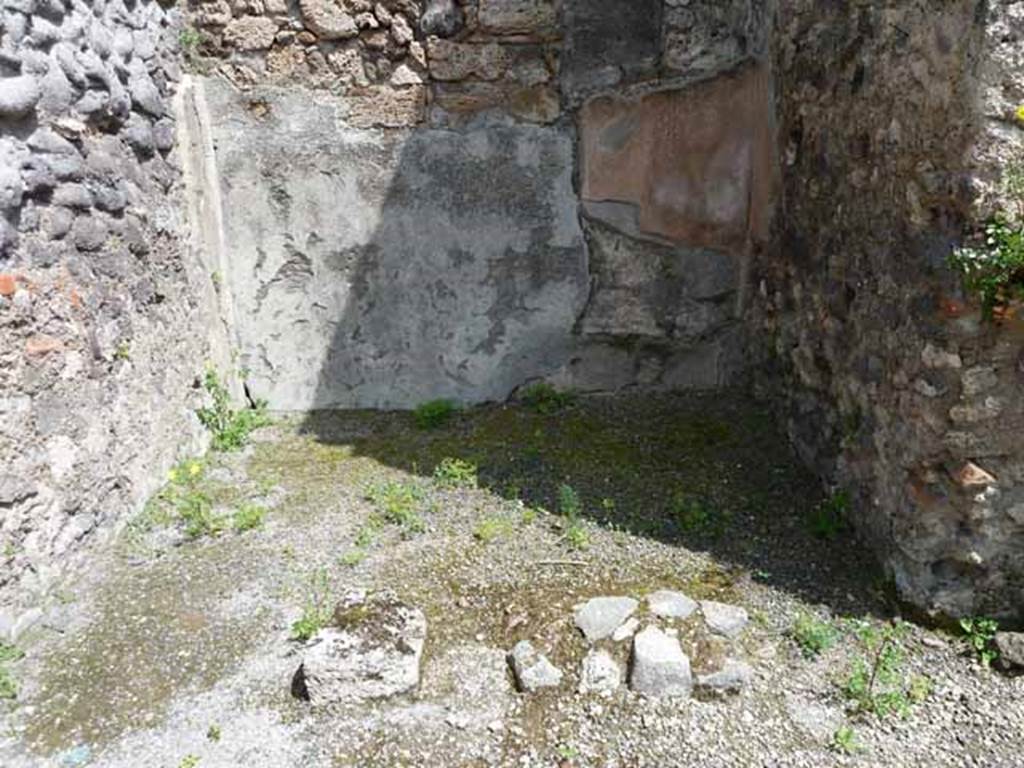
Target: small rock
(11, 188)
(671, 605)
(442, 18)
(18, 95)
(733, 677)
(626, 631)
(88, 233)
(660, 668)
(145, 95)
(599, 673)
(328, 19)
(532, 669)
(724, 619)
(251, 33)
(1011, 649)
(372, 651)
(601, 616)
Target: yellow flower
(1020, 113)
(172, 476)
(194, 468)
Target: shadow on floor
(708, 472)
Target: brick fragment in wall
(250, 33)
(328, 19)
(383, 106)
(518, 17)
(458, 61)
(455, 101)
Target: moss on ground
(706, 472)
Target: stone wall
(896, 121)
(426, 200)
(103, 315)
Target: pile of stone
(657, 664)
(374, 645)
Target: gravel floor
(175, 652)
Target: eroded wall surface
(424, 200)
(896, 124)
(103, 322)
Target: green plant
(123, 351)
(545, 399)
(434, 413)
(845, 740)
(230, 427)
(248, 517)
(877, 683)
(691, 512)
(456, 473)
(316, 611)
(980, 634)
(493, 528)
(189, 761)
(213, 732)
(353, 557)
(827, 519)
(8, 653)
(576, 535)
(569, 504)
(571, 508)
(813, 635)
(994, 269)
(183, 500)
(189, 39)
(398, 503)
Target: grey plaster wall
(382, 268)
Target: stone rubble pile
(657, 663)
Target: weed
(230, 428)
(8, 653)
(184, 501)
(456, 473)
(398, 503)
(316, 611)
(493, 528)
(213, 732)
(877, 684)
(813, 635)
(123, 351)
(920, 688)
(189, 39)
(545, 399)
(691, 512)
(435, 413)
(248, 517)
(368, 532)
(569, 504)
(530, 515)
(353, 557)
(8, 688)
(576, 535)
(994, 270)
(827, 519)
(567, 752)
(189, 761)
(844, 740)
(979, 634)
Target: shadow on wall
(388, 267)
